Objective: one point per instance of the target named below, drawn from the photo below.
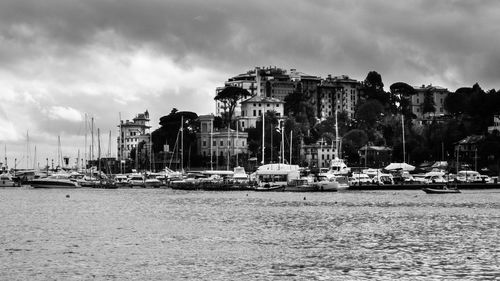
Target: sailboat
(338, 171)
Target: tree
(369, 113)
(429, 105)
(402, 93)
(230, 96)
(168, 133)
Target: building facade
(254, 107)
(339, 93)
(436, 94)
(318, 154)
(375, 156)
(219, 143)
(131, 133)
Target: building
(437, 96)
(339, 93)
(496, 125)
(131, 133)
(254, 107)
(466, 150)
(318, 154)
(375, 156)
(270, 82)
(219, 143)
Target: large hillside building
(219, 143)
(131, 133)
(254, 107)
(436, 96)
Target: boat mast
(27, 149)
(59, 151)
(85, 147)
(92, 138)
(98, 151)
(282, 143)
(263, 139)
(291, 145)
(211, 143)
(403, 126)
(235, 144)
(336, 135)
(182, 143)
(228, 140)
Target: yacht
(6, 180)
(272, 175)
(54, 181)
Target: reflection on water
(158, 234)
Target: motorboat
(54, 181)
(121, 180)
(325, 184)
(301, 185)
(136, 180)
(6, 180)
(152, 181)
(268, 188)
(443, 190)
(273, 175)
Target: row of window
(221, 143)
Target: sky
(62, 60)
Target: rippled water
(161, 234)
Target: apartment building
(131, 133)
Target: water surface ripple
(161, 234)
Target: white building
(254, 107)
(131, 133)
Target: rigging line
(173, 150)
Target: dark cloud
(320, 36)
(83, 54)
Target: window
(204, 144)
(214, 143)
(243, 124)
(254, 112)
(260, 112)
(243, 143)
(221, 143)
(268, 105)
(278, 105)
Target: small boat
(269, 188)
(301, 185)
(54, 181)
(443, 190)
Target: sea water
(163, 234)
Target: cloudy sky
(62, 59)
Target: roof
(471, 139)
(262, 99)
(378, 148)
